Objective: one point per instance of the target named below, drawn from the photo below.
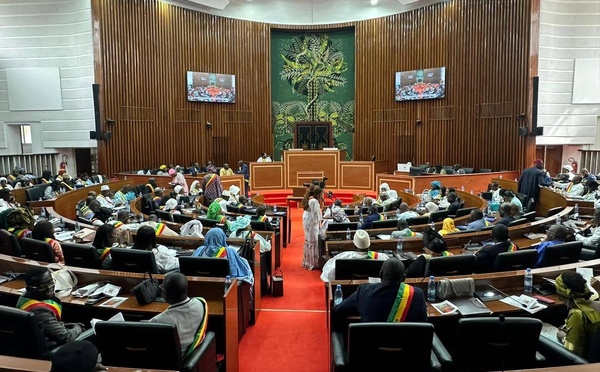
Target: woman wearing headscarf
(214, 213)
(44, 231)
(106, 238)
(583, 318)
(430, 207)
(434, 191)
(448, 226)
(171, 206)
(46, 176)
(391, 194)
(240, 229)
(4, 184)
(195, 188)
(179, 179)
(311, 221)
(215, 245)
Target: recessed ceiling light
(374, 2)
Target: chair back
(415, 171)
(37, 250)
(496, 344)
(438, 216)
(357, 269)
(259, 225)
(487, 195)
(560, 254)
(181, 218)
(133, 260)
(21, 335)
(449, 171)
(232, 208)
(377, 346)
(485, 170)
(9, 244)
(468, 170)
(459, 264)
(518, 260)
(530, 216)
(166, 216)
(422, 220)
(81, 255)
(36, 192)
(147, 204)
(592, 352)
(463, 211)
(553, 211)
(342, 226)
(139, 345)
(383, 224)
(518, 221)
(204, 266)
(530, 206)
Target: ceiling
(303, 12)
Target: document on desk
(471, 306)
(118, 317)
(524, 302)
(550, 332)
(588, 273)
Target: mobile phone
(543, 299)
(94, 300)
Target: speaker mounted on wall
(523, 131)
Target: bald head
(557, 232)
(175, 287)
(392, 271)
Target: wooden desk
(223, 307)
(548, 198)
(66, 204)
(163, 181)
(14, 364)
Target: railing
(34, 164)
(590, 159)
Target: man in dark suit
(485, 256)
(454, 203)
(392, 300)
(531, 179)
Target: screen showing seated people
(210, 87)
(429, 83)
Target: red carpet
(291, 331)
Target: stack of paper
(527, 303)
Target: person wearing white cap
(234, 195)
(240, 228)
(195, 188)
(171, 206)
(362, 242)
(223, 200)
(177, 192)
(104, 197)
(4, 184)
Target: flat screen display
(429, 83)
(210, 87)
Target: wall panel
(147, 47)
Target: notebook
(471, 306)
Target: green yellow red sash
(402, 304)
(446, 253)
(373, 255)
(159, 228)
(117, 224)
(221, 253)
(19, 233)
(512, 247)
(29, 304)
(211, 179)
(104, 254)
(381, 217)
(201, 329)
(150, 187)
(262, 218)
(570, 186)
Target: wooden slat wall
(146, 47)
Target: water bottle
(43, 213)
(338, 296)
(500, 176)
(431, 289)
(227, 282)
(360, 218)
(76, 226)
(398, 213)
(399, 245)
(348, 234)
(528, 283)
(432, 225)
(462, 188)
(576, 211)
(558, 221)
(127, 207)
(274, 209)
(61, 223)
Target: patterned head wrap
(436, 184)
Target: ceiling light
(374, 2)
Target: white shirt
(328, 273)
(166, 260)
(589, 240)
(264, 160)
(4, 205)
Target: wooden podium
(303, 166)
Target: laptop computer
(403, 167)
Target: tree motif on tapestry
(313, 65)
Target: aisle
(291, 332)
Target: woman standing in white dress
(311, 219)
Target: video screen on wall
(210, 87)
(429, 83)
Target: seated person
(120, 197)
(505, 213)
(372, 216)
(594, 238)
(391, 194)
(515, 212)
(592, 193)
(7, 200)
(335, 212)
(214, 212)
(385, 201)
(477, 221)
(566, 174)
(44, 231)
(190, 315)
(20, 222)
(261, 216)
(430, 207)
(4, 184)
(215, 245)
(435, 191)
(584, 313)
(586, 176)
(240, 229)
(510, 197)
(458, 169)
(234, 195)
(453, 203)
(192, 228)
(159, 198)
(105, 239)
(403, 231)
(53, 190)
(145, 240)
(76, 356)
(150, 186)
(439, 169)
(448, 226)
(405, 212)
(105, 197)
(485, 256)
(556, 234)
(101, 214)
(39, 299)
(432, 248)
(195, 188)
(176, 193)
(495, 190)
(574, 188)
(223, 200)
(84, 209)
(392, 300)
(171, 206)
(362, 242)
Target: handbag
(450, 288)
(146, 291)
(64, 281)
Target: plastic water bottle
(576, 211)
(43, 213)
(338, 296)
(528, 282)
(558, 220)
(431, 289)
(432, 225)
(462, 188)
(61, 223)
(399, 245)
(274, 209)
(227, 282)
(360, 218)
(398, 213)
(348, 234)
(76, 226)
